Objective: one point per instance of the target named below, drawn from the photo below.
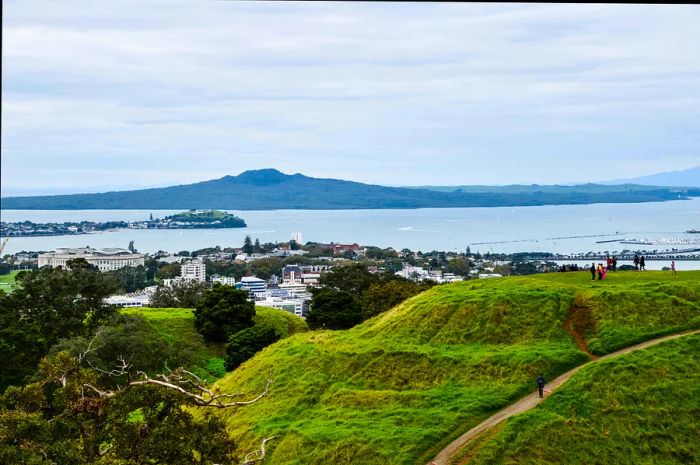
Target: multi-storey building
(104, 259)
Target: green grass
(399, 387)
(176, 326)
(7, 281)
(639, 408)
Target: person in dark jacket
(540, 385)
(614, 263)
(592, 270)
(636, 262)
(642, 265)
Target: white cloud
(328, 89)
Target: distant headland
(269, 189)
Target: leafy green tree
(68, 416)
(333, 309)
(244, 344)
(458, 266)
(131, 278)
(168, 270)
(353, 278)
(222, 312)
(387, 294)
(180, 295)
(256, 246)
(49, 304)
(247, 246)
(293, 245)
(264, 268)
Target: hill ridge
(270, 189)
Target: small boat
(693, 231)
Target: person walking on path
(614, 263)
(592, 270)
(642, 265)
(673, 266)
(540, 385)
(636, 262)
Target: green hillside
(640, 408)
(176, 326)
(7, 281)
(401, 386)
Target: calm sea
(560, 228)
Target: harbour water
(558, 229)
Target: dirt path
(530, 401)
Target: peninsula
(192, 219)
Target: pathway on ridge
(532, 400)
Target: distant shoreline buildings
(108, 259)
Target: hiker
(592, 270)
(605, 272)
(642, 265)
(600, 271)
(608, 261)
(636, 262)
(673, 266)
(614, 263)
(540, 385)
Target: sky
(122, 95)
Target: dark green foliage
(222, 312)
(333, 309)
(353, 278)
(131, 278)
(179, 295)
(387, 294)
(247, 246)
(269, 189)
(169, 270)
(137, 341)
(266, 267)
(49, 304)
(244, 344)
(60, 420)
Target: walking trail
(532, 400)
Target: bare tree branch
(257, 455)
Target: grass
(7, 281)
(399, 387)
(639, 408)
(176, 326)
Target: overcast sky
(128, 94)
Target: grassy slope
(177, 324)
(640, 408)
(399, 387)
(7, 280)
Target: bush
(222, 312)
(244, 344)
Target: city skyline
(134, 95)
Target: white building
(253, 284)
(104, 259)
(225, 280)
(296, 237)
(294, 306)
(193, 271)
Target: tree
(70, 416)
(247, 246)
(256, 246)
(131, 278)
(353, 278)
(458, 266)
(184, 294)
(47, 305)
(293, 245)
(222, 312)
(168, 270)
(246, 343)
(387, 294)
(333, 309)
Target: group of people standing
(602, 270)
(639, 262)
